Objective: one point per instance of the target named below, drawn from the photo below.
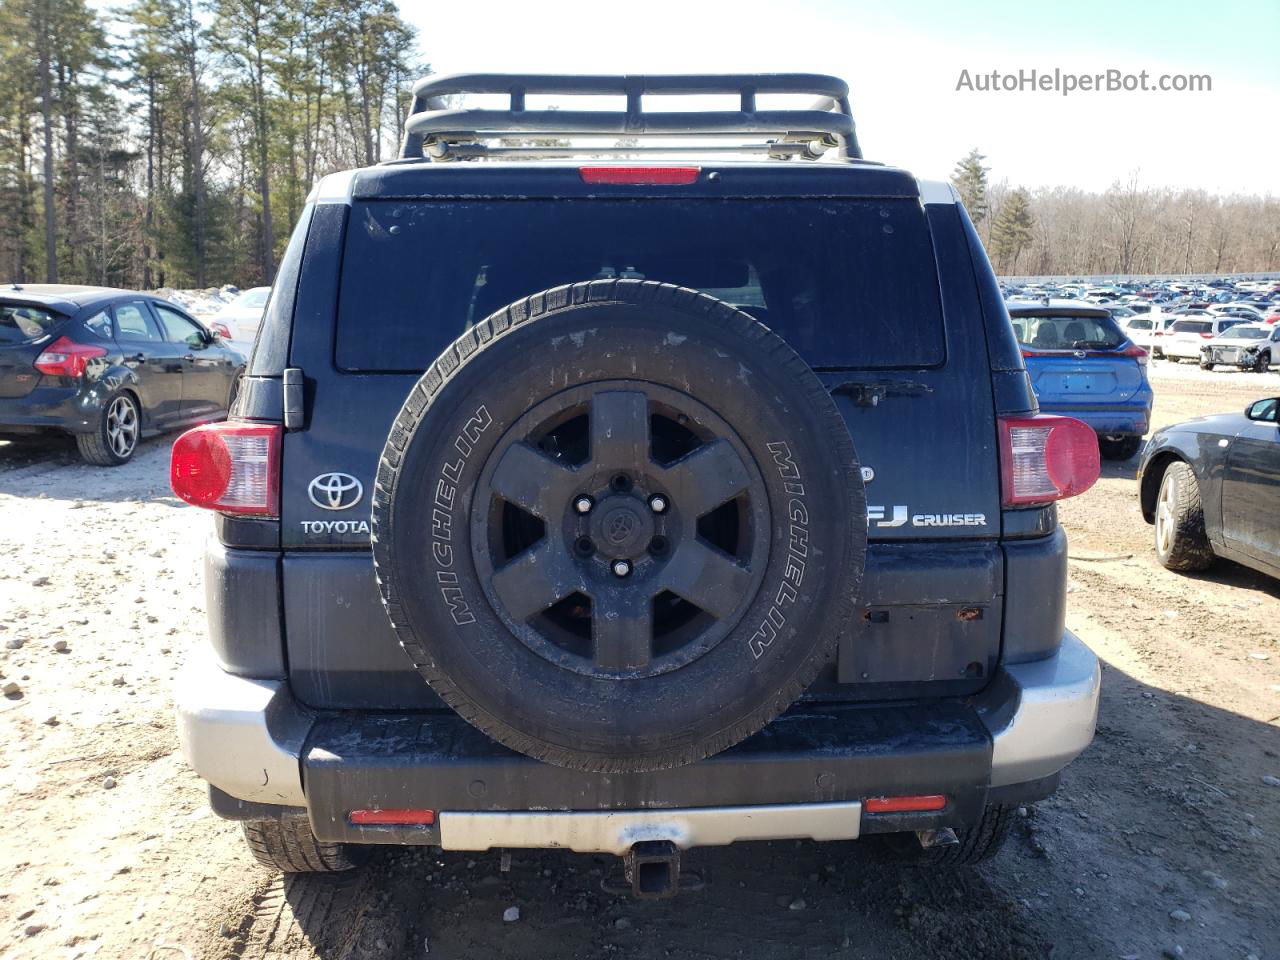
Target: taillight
(643, 176)
(1046, 458)
(221, 329)
(1135, 351)
(1207, 336)
(231, 467)
(66, 358)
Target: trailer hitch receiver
(653, 869)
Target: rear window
(1068, 333)
(20, 323)
(1192, 326)
(849, 283)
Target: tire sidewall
(812, 574)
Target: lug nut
(658, 503)
(621, 568)
(583, 504)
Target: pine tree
(970, 179)
(1011, 232)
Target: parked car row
(1175, 320)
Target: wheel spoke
(620, 430)
(622, 628)
(706, 478)
(538, 578)
(706, 578)
(533, 481)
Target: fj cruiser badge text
(335, 491)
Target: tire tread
(289, 846)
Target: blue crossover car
(1083, 365)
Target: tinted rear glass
(1068, 333)
(20, 323)
(849, 283)
(1192, 326)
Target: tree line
(173, 142)
(1127, 229)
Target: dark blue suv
(1082, 365)
(633, 506)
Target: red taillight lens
(221, 329)
(1135, 351)
(644, 176)
(1046, 458)
(921, 804)
(66, 358)
(230, 467)
(1207, 336)
(392, 818)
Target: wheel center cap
(622, 526)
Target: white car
(239, 319)
(1249, 346)
(1189, 332)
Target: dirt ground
(1164, 840)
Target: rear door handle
(190, 358)
(136, 358)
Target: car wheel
(1118, 448)
(615, 526)
(1263, 363)
(1181, 541)
(287, 845)
(977, 844)
(116, 439)
(1205, 365)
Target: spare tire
(619, 526)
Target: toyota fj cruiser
(636, 504)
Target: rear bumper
(1130, 418)
(805, 775)
(48, 408)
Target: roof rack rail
(436, 131)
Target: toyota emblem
(335, 491)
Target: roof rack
(437, 131)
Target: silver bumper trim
(616, 831)
(246, 738)
(243, 736)
(1055, 715)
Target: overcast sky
(903, 62)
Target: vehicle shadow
(51, 468)
(1161, 813)
(1120, 469)
(1232, 574)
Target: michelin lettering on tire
(797, 550)
(445, 504)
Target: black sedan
(1211, 487)
(108, 367)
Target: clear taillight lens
(230, 467)
(1045, 458)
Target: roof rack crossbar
(436, 130)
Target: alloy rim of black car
(122, 426)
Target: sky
(904, 62)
